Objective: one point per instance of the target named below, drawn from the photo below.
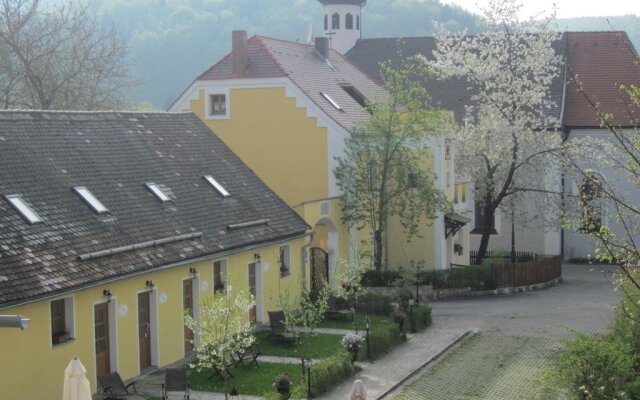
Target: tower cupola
(342, 23)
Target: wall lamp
(107, 293)
(14, 321)
(194, 272)
(150, 284)
(257, 258)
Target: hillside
(172, 41)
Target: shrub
(375, 304)
(419, 317)
(373, 278)
(381, 340)
(331, 370)
(597, 369)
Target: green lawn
(250, 381)
(321, 345)
(339, 322)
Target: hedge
(419, 317)
(382, 339)
(326, 373)
(477, 277)
(372, 303)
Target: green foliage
(597, 369)
(476, 277)
(319, 345)
(329, 371)
(419, 317)
(372, 303)
(381, 340)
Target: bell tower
(342, 23)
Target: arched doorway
(325, 240)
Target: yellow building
(112, 224)
(286, 108)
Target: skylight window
(25, 211)
(217, 186)
(330, 100)
(356, 95)
(155, 189)
(90, 199)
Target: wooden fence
(520, 256)
(526, 273)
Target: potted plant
(61, 337)
(282, 383)
(352, 342)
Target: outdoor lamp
(233, 395)
(14, 321)
(107, 293)
(308, 361)
(257, 258)
(149, 284)
(194, 272)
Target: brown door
(144, 330)
(103, 360)
(187, 304)
(252, 290)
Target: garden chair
(175, 380)
(249, 354)
(114, 388)
(340, 307)
(228, 363)
(276, 323)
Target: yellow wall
(35, 368)
(282, 145)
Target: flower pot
(283, 387)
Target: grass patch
(250, 381)
(339, 322)
(321, 345)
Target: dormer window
(356, 95)
(23, 209)
(91, 200)
(155, 189)
(348, 23)
(217, 186)
(218, 105)
(331, 101)
(335, 21)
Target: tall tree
(504, 144)
(384, 172)
(58, 57)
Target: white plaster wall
(342, 39)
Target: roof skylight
(25, 211)
(155, 189)
(330, 100)
(356, 95)
(90, 199)
(217, 186)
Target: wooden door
(144, 330)
(252, 290)
(103, 347)
(187, 304)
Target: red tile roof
(601, 61)
(311, 73)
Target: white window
(25, 211)
(155, 189)
(61, 321)
(331, 101)
(284, 259)
(217, 104)
(219, 276)
(90, 199)
(217, 186)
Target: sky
(566, 8)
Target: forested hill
(171, 41)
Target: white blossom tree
(505, 143)
(224, 328)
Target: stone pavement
(520, 337)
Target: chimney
(239, 52)
(322, 46)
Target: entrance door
(187, 304)
(144, 330)
(252, 290)
(319, 269)
(103, 348)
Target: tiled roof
(452, 94)
(43, 155)
(309, 71)
(602, 62)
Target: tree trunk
(377, 249)
(487, 228)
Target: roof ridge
(284, 40)
(19, 110)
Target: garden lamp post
(366, 321)
(308, 361)
(411, 302)
(233, 395)
(417, 283)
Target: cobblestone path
(520, 336)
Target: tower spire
(342, 23)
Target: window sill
(284, 274)
(56, 345)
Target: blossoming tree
(504, 145)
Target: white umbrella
(76, 384)
(358, 391)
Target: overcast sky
(566, 8)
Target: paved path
(520, 335)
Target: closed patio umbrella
(76, 384)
